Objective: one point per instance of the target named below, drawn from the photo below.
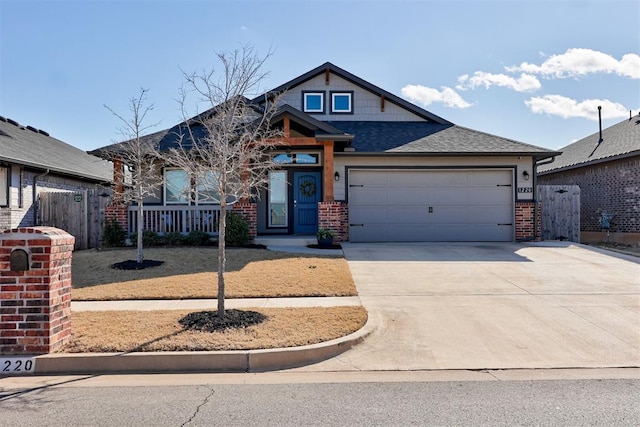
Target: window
(341, 102)
(297, 159)
(313, 102)
(4, 186)
(177, 185)
(206, 188)
(278, 199)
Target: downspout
(34, 194)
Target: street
(274, 399)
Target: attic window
(341, 102)
(313, 102)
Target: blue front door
(307, 190)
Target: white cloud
(426, 96)
(579, 62)
(561, 106)
(524, 83)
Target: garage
(431, 205)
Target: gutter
(34, 194)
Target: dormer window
(341, 102)
(313, 102)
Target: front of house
(373, 167)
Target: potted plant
(325, 237)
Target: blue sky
(534, 71)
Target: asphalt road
(611, 402)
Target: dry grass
(160, 330)
(190, 272)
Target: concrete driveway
(486, 305)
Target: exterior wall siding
(21, 210)
(611, 187)
(366, 105)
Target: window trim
(270, 223)
(164, 190)
(333, 94)
(6, 186)
(294, 154)
(306, 109)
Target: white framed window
(278, 199)
(313, 102)
(177, 186)
(206, 188)
(288, 159)
(4, 186)
(341, 102)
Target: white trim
(311, 110)
(334, 110)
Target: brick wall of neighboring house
(334, 216)
(250, 212)
(525, 226)
(35, 296)
(611, 187)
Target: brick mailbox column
(35, 290)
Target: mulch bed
(208, 321)
(336, 246)
(132, 264)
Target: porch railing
(175, 219)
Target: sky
(532, 71)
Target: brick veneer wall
(611, 187)
(525, 226)
(335, 217)
(117, 211)
(35, 305)
(250, 212)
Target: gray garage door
(430, 205)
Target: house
(32, 162)
(373, 167)
(606, 167)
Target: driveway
(498, 306)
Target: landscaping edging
(198, 361)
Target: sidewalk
(203, 304)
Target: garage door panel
(467, 205)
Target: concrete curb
(198, 361)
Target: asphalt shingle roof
(618, 140)
(30, 147)
(426, 137)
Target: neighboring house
(606, 166)
(32, 162)
(373, 167)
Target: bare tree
(226, 148)
(140, 156)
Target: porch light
(336, 176)
(525, 175)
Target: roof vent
(32, 129)
(13, 122)
(43, 132)
(2, 119)
(600, 122)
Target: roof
(619, 140)
(357, 81)
(432, 138)
(28, 146)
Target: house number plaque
(525, 190)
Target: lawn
(190, 272)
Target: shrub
(197, 238)
(237, 232)
(173, 239)
(113, 233)
(149, 238)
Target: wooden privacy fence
(560, 212)
(79, 214)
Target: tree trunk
(222, 259)
(140, 257)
